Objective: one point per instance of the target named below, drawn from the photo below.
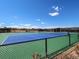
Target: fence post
(78, 35)
(69, 39)
(46, 56)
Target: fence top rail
(15, 39)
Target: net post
(46, 56)
(69, 39)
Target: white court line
(14, 34)
(4, 40)
(7, 38)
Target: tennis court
(23, 45)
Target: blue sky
(39, 13)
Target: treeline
(4, 30)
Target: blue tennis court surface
(30, 37)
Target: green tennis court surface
(22, 51)
(26, 50)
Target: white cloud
(55, 11)
(22, 26)
(30, 26)
(27, 25)
(34, 26)
(42, 23)
(54, 14)
(2, 25)
(13, 26)
(57, 8)
(12, 23)
(38, 19)
(53, 7)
